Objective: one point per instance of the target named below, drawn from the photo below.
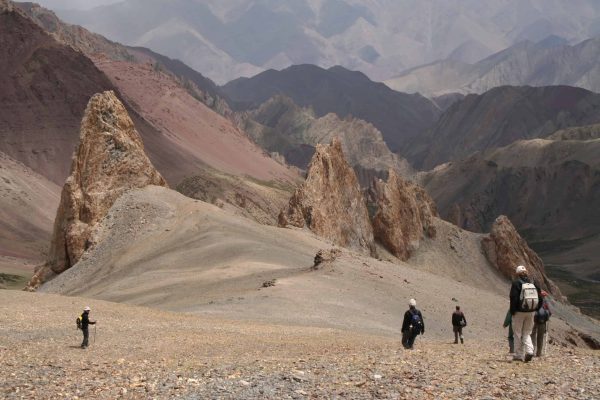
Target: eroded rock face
(506, 249)
(404, 215)
(330, 202)
(109, 161)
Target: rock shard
(506, 249)
(330, 202)
(404, 215)
(109, 161)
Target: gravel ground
(146, 353)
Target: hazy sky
(73, 4)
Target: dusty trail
(147, 353)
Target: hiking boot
(462, 341)
(528, 357)
(456, 342)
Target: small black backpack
(416, 321)
(542, 315)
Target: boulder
(404, 215)
(506, 249)
(330, 202)
(109, 161)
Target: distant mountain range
(548, 62)
(398, 116)
(499, 117)
(382, 38)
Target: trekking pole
(546, 338)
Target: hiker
(511, 338)
(412, 325)
(83, 322)
(524, 302)
(458, 323)
(540, 327)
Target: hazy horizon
(74, 4)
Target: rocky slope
(199, 135)
(588, 132)
(505, 249)
(525, 63)
(44, 88)
(280, 126)
(404, 215)
(258, 200)
(499, 117)
(547, 188)
(200, 356)
(28, 203)
(160, 249)
(110, 160)
(172, 107)
(337, 90)
(198, 85)
(330, 202)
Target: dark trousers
(408, 338)
(538, 335)
(86, 336)
(458, 334)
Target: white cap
(87, 308)
(412, 302)
(521, 269)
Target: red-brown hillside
(44, 88)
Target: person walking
(524, 302)
(511, 338)
(85, 322)
(458, 323)
(412, 326)
(539, 334)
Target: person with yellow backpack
(83, 323)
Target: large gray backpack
(529, 297)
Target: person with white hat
(524, 302)
(84, 324)
(412, 325)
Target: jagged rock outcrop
(404, 215)
(506, 249)
(330, 202)
(109, 161)
(325, 257)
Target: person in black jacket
(458, 323)
(412, 325)
(539, 335)
(525, 299)
(85, 322)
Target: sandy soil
(138, 352)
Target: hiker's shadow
(75, 347)
(499, 360)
